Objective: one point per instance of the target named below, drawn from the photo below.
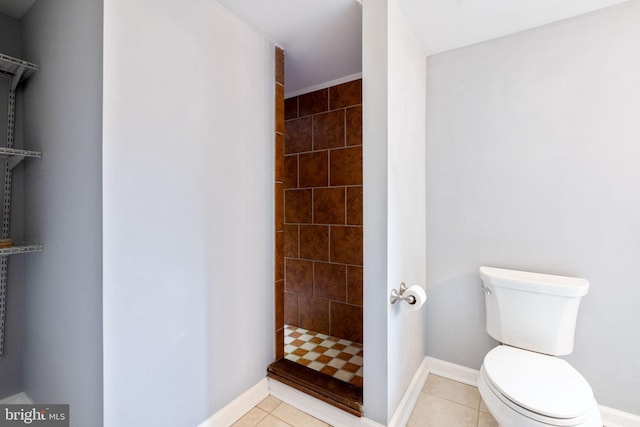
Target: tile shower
(322, 217)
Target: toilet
(521, 381)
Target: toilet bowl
(527, 389)
(522, 382)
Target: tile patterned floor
(339, 358)
(442, 403)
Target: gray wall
(533, 148)
(11, 363)
(63, 296)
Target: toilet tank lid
(535, 282)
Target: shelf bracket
(15, 161)
(16, 77)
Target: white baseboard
(615, 418)
(317, 408)
(610, 417)
(17, 399)
(239, 406)
(405, 407)
(452, 371)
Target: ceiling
(323, 38)
(15, 8)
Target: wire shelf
(15, 66)
(21, 248)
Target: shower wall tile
(299, 276)
(297, 135)
(279, 343)
(328, 205)
(314, 242)
(314, 313)
(313, 169)
(354, 205)
(323, 210)
(346, 94)
(354, 285)
(313, 102)
(279, 108)
(346, 321)
(280, 66)
(291, 108)
(328, 130)
(291, 171)
(279, 300)
(279, 206)
(279, 159)
(291, 308)
(279, 253)
(346, 166)
(346, 245)
(354, 125)
(298, 207)
(291, 241)
(329, 281)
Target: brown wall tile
(314, 242)
(314, 313)
(279, 299)
(279, 110)
(279, 160)
(328, 205)
(291, 308)
(297, 206)
(354, 285)
(328, 130)
(314, 169)
(291, 108)
(346, 321)
(279, 206)
(291, 241)
(354, 125)
(346, 166)
(297, 135)
(279, 65)
(299, 276)
(354, 205)
(346, 245)
(279, 252)
(291, 171)
(313, 102)
(329, 281)
(279, 338)
(346, 94)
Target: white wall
(532, 163)
(63, 292)
(188, 210)
(394, 203)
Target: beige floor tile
(486, 420)
(434, 411)
(452, 390)
(296, 417)
(269, 403)
(271, 421)
(483, 406)
(251, 418)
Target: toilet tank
(532, 311)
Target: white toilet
(523, 384)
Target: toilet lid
(537, 382)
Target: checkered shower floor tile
(339, 358)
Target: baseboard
(610, 417)
(316, 408)
(405, 407)
(17, 399)
(615, 418)
(452, 371)
(239, 406)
